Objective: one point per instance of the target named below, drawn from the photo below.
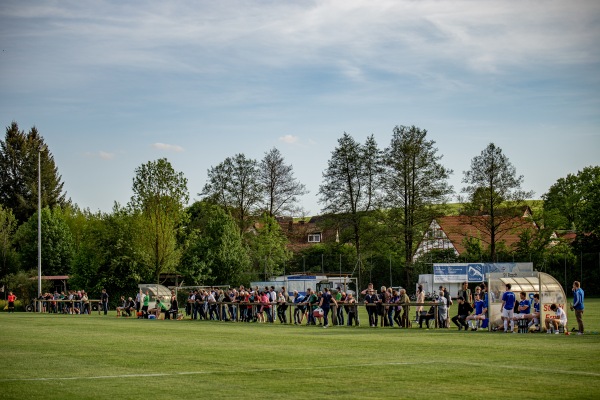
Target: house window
(314, 238)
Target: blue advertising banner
(476, 272)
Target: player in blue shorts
(534, 317)
(508, 307)
(480, 310)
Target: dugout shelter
(548, 288)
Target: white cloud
(289, 139)
(168, 147)
(104, 155)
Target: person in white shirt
(559, 319)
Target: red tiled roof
(457, 228)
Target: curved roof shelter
(548, 288)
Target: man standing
(370, 303)
(508, 308)
(325, 304)
(578, 305)
(465, 293)
(104, 299)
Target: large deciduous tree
(234, 185)
(280, 188)
(495, 198)
(349, 189)
(19, 152)
(268, 249)
(57, 242)
(576, 199)
(216, 255)
(8, 226)
(415, 185)
(160, 195)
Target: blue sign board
(449, 273)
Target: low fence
(237, 311)
(58, 306)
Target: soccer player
(480, 310)
(508, 307)
(524, 307)
(578, 305)
(559, 319)
(535, 315)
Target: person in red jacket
(11, 302)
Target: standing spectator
(174, 310)
(405, 300)
(340, 297)
(508, 309)
(442, 309)
(325, 304)
(370, 301)
(389, 310)
(397, 308)
(11, 302)
(282, 299)
(312, 305)
(104, 301)
(139, 299)
(146, 303)
(368, 289)
(464, 310)
(352, 311)
(448, 304)
(465, 293)
(578, 305)
(85, 301)
(420, 300)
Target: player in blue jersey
(535, 315)
(524, 307)
(578, 305)
(480, 310)
(508, 307)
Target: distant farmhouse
(450, 232)
(304, 233)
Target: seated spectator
(123, 306)
(130, 306)
(559, 319)
(426, 316)
(464, 310)
(160, 307)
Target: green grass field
(96, 357)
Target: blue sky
(112, 84)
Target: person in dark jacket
(464, 310)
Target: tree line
(379, 200)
